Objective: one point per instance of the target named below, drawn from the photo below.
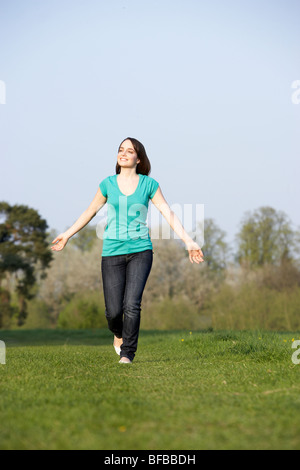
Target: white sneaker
(117, 348)
(125, 360)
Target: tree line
(253, 284)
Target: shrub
(85, 310)
(174, 313)
(253, 307)
(39, 315)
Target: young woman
(127, 252)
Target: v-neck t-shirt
(126, 230)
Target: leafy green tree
(23, 248)
(215, 248)
(266, 237)
(85, 239)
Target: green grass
(214, 390)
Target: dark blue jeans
(124, 278)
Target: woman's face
(127, 156)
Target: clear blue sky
(204, 85)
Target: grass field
(185, 390)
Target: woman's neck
(128, 173)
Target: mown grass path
(185, 390)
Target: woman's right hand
(59, 242)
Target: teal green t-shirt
(126, 230)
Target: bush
(85, 310)
(38, 315)
(8, 309)
(174, 313)
(250, 307)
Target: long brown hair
(144, 167)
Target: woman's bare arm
(97, 203)
(195, 252)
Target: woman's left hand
(195, 252)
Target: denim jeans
(124, 278)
